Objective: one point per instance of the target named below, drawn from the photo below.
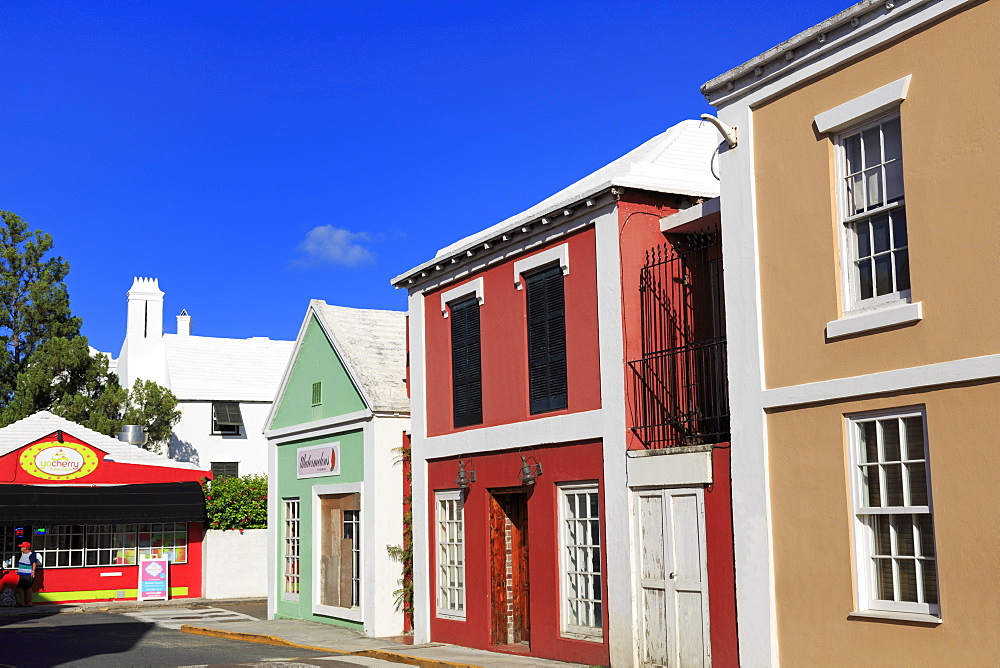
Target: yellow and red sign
(52, 460)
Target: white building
(225, 387)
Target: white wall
(235, 564)
(193, 440)
(383, 488)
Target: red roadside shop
(91, 506)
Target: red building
(555, 358)
(92, 506)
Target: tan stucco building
(861, 202)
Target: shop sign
(52, 460)
(153, 585)
(316, 461)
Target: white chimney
(184, 324)
(145, 311)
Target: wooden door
(673, 582)
(509, 567)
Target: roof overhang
(832, 35)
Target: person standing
(26, 567)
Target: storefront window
(71, 546)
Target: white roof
(43, 423)
(372, 345)
(206, 368)
(676, 161)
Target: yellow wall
(812, 527)
(951, 170)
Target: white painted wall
(235, 564)
(192, 440)
(383, 523)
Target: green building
(336, 481)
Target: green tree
(34, 304)
(45, 364)
(155, 408)
(65, 376)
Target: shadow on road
(30, 639)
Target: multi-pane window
(580, 544)
(450, 555)
(71, 546)
(291, 568)
(226, 418)
(874, 212)
(897, 568)
(352, 533)
(466, 371)
(546, 340)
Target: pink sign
(318, 460)
(153, 580)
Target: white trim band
(560, 253)
(473, 286)
(986, 367)
(873, 320)
(864, 107)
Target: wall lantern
(529, 473)
(59, 436)
(465, 478)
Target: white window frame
(474, 286)
(286, 541)
(567, 630)
(864, 536)
(844, 120)
(558, 254)
(853, 303)
(354, 613)
(442, 610)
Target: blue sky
(256, 155)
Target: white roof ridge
(670, 163)
(372, 347)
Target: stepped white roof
(372, 345)
(205, 368)
(43, 423)
(677, 161)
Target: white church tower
(142, 354)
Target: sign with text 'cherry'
(52, 460)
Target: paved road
(175, 618)
(108, 640)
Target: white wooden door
(673, 583)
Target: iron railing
(680, 384)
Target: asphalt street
(103, 639)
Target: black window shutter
(466, 374)
(546, 340)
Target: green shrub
(236, 503)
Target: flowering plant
(236, 503)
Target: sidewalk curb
(385, 655)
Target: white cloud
(326, 244)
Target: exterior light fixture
(465, 478)
(59, 436)
(529, 473)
